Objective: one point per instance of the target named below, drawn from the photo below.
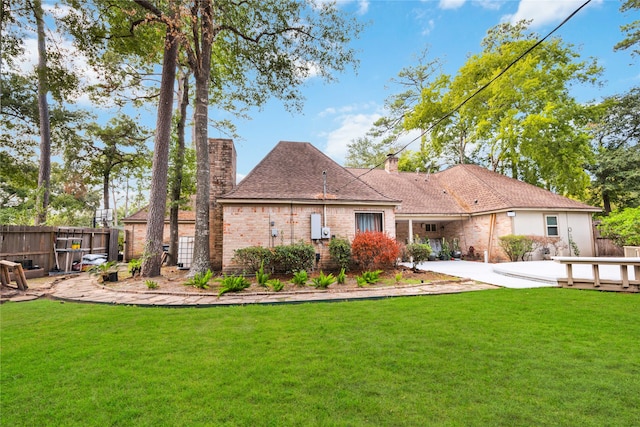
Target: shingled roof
(464, 190)
(293, 171)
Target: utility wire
(473, 95)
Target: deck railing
(623, 283)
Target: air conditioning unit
(185, 252)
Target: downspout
(324, 198)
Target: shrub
(419, 252)
(369, 277)
(374, 249)
(135, 267)
(275, 284)
(398, 277)
(516, 246)
(253, 257)
(342, 277)
(623, 227)
(300, 278)
(340, 252)
(322, 281)
(151, 284)
(261, 276)
(294, 257)
(233, 284)
(200, 280)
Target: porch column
(410, 231)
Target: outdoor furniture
(18, 272)
(596, 282)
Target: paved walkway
(519, 275)
(82, 289)
(476, 275)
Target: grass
(500, 358)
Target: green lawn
(489, 358)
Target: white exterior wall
(576, 224)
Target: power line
(482, 88)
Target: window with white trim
(369, 221)
(552, 225)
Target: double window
(369, 221)
(552, 225)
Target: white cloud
(544, 12)
(451, 4)
(363, 7)
(351, 126)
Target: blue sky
(334, 114)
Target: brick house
(476, 206)
(297, 193)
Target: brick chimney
(391, 163)
(222, 161)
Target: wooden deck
(623, 283)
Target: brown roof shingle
(294, 171)
(464, 189)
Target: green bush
(151, 284)
(419, 252)
(300, 278)
(369, 277)
(261, 276)
(623, 227)
(342, 277)
(233, 284)
(135, 267)
(275, 284)
(294, 257)
(200, 280)
(322, 281)
(253, 257)
(516, 246)
(340, 252)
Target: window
(552, 225)
(369, 221)
(430, 227)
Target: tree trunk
(105, 189)
(183, 102)
(606, 201)
(201, 261)
(158, 192)
(44, 173)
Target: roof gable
(294, 171)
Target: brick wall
(135, 236)
(222, 157)
(250, 225)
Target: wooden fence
(42, 249)
(604, 246)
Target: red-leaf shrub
(373, 250)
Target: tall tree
(44, 174)
(177, 167)
(383, 137)
(631, 30)
(525, 124)
(160, 169)
(616, 167)
(121, 148)
(248, 51)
